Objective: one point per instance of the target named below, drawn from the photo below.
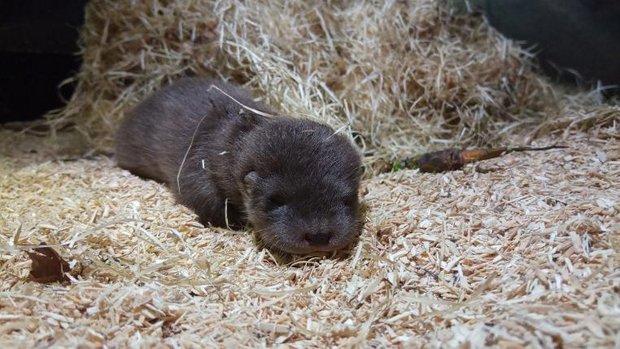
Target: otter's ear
(249, 181)
(248, 121)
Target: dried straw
(520, 251)
(401, 77)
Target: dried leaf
(47, 266)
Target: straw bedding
(520, 251)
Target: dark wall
(38, 45)
(577, 40)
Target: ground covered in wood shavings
(521, 251)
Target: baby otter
(294, 180)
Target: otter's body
(294, 180)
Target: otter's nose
(318, 239)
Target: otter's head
(301, 184)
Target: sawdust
(520, 251)
(524, 253)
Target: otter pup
(295, 181)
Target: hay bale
(401, 76)
(521, 251)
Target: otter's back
(155, 135)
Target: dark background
(577, 41)
(38, 46)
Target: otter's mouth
(311, 249)
(299, 248)
(297, 245)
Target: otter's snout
(316, 234)
(318, 239)
(297, 235)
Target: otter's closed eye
(275, 201)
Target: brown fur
(294, 180)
